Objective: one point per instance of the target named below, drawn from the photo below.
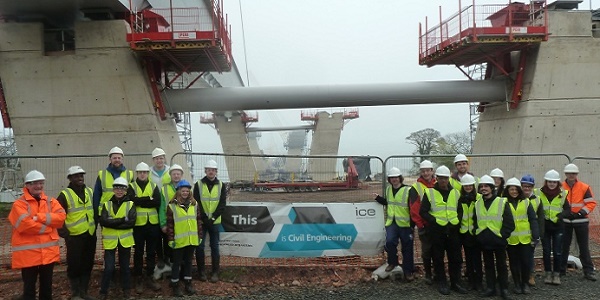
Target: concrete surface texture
(325, 141)
(559, 112)
(81, 102)
(234, 140)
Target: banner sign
(269, 230)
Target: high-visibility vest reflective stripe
(444, 212)
(112, 237)
(34, 246)
(210, 200)
(522, 232)
(80, 217)
(420, 189)
(106, 179)
(397, 207)
(168, 191)
(490, 218)
(185, 226)
(553, 208)
(48, 215)
(466, 223)
(145, 214)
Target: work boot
(189, 288)
(409, 277)
(103, 296)
(202, 274)
(504, 294)
(389, 268)
(548, 278)
(138, 284)
(443, 288)
(152, 284)
(556, 278)
(75, 286)
(531, 281)
(526, 290)
(214, 277)
(458, 288)
(491, 289)
(590, 276)
(176, 289)
(517, 290)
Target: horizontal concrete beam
(281, 128)
(287, 97)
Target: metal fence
(245, 173)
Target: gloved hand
(572, 216)
(172, 244)
(581, 214)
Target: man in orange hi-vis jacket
(35, 218)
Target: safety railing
(502, 19)
(181, 24)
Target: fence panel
(294, 179)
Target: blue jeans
(552, 243)
(405, 235)
(109, 268)
(213, 234)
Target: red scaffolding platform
(182, 39)
(480, 33)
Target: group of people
(154, 211)
(489, 217)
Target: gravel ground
(574, 286)
(323, 284)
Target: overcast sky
(312, 42)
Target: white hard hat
(115, 150)
(486, 179)
(211, 164)
(142, 167)
(442, 171)
(571, 168)
(75, 170)
(158, 152)
(175, 167)
(552, 175)
(467, 179)
(394, 172)
(120, 181)
(497, 173)
(513, 181)
(426, 164)
(460, 157)
(34, 175)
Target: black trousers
(519, 257)
(447, 243)
(148, 237)
(473, 265)
(182, 262)
(491, 267)
(30, 276)
(163, 251)
(582, 235)
(81, 253)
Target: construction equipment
(351, 182)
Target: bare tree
(425, 140)
(451, 144)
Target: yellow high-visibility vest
(111, 237)
(80, 216)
